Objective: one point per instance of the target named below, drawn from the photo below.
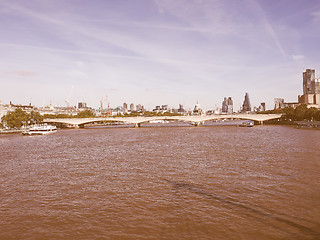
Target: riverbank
(308, 124)
(3, 131)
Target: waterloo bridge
(136, 121)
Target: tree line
(300, 113)
(19, 118)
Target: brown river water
(161, 183)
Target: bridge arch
(195, 120)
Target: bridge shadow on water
(258, 213)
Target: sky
(156, 52)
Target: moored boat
(246, 124)
(40, 129)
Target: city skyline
(156, 52)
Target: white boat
(247, 124)
(40, 129)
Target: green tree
(311, 113)
(15, 119)
(317, 116)
(300, 112)
(289, 113)
(85, 114)
(35, 117)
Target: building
(224, 107)
(315, 86)
(139, 108)
(262, 107)
(82, 105)
(197, 110)
(180, 109)
(4, 109)
(308, 76)
(279, 103)
(162, 109)
(125, 108)
(246, 106)
(165, 108)
(157, 109)
(227, 105)
(311, 89)
(131, 107)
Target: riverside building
(311, 89)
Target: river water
(161, 183)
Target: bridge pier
(137, 125)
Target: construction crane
(105, 99)
(69, 96)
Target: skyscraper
(316, 86)
(246, 106)
(229, 105)
(139, 107)
(278, 103)
(308, 81)
(224, 107)
(131, 107)
(125, 107)
(311, 88)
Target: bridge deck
(196, 120)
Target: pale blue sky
(156, 52)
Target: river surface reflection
(161, 183)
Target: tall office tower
(308, 81)
(278, 103)
(180, 109)
(131, 107)
(224, 107)
(125, 107)
(229, 106)
(311, 88)
(316, 86)
(246, 106)
(139, 108)
(82, 105)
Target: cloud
(297, 57)
(22, 73)
(158, 5)
(316, 16)
(76, 74)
